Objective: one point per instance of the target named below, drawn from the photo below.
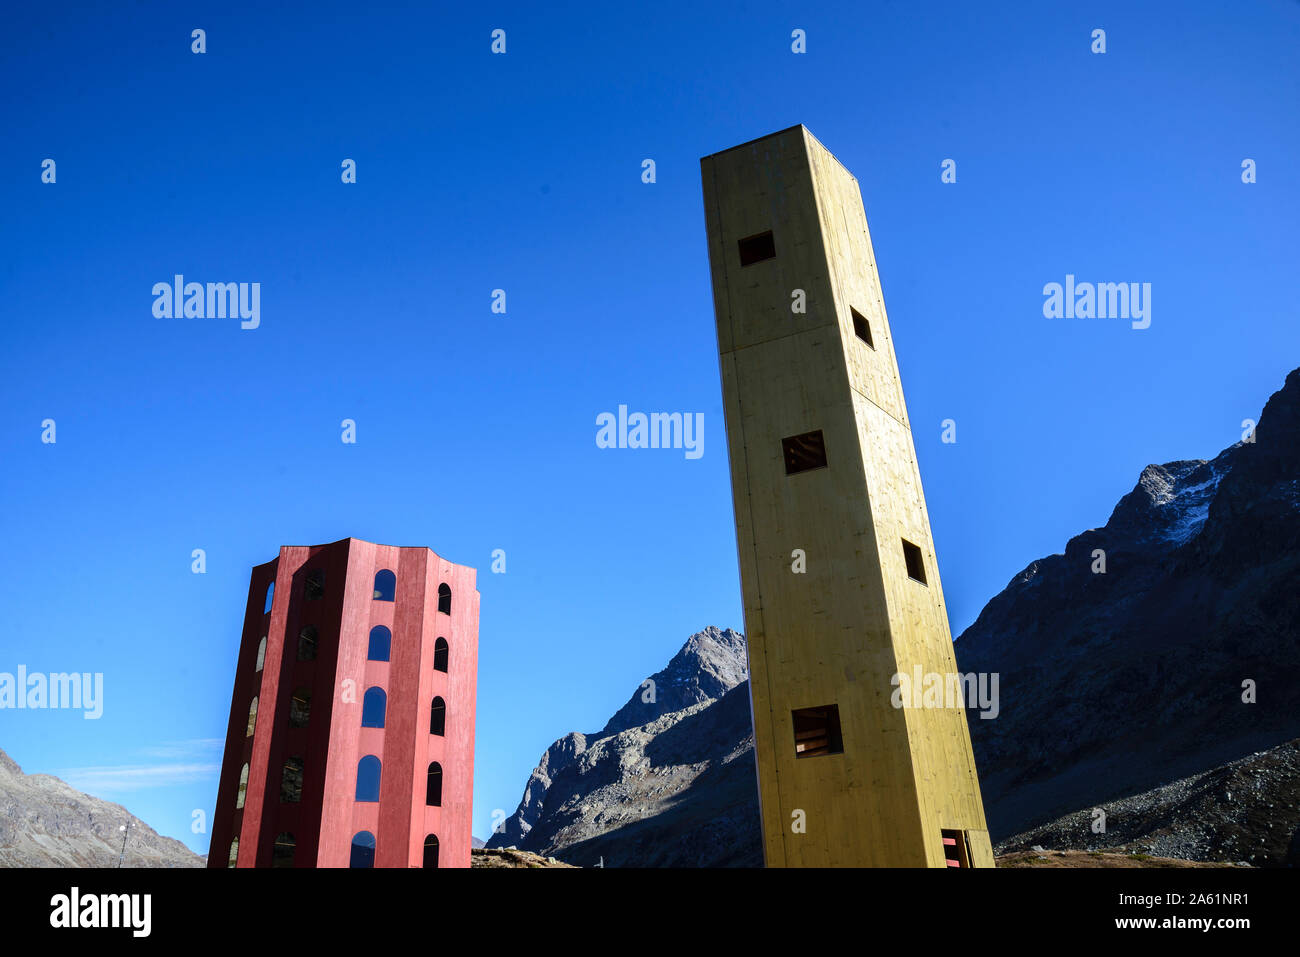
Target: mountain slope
(1247, 811)
(668, 782)
(1116, 683)
(46, 823)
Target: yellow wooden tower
(837, 564)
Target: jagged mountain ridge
(1113, 684)
(46, 823)
(668, 782)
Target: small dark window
(440, 655)
(804, 452)
(754, 249)
(438, 717)
(444, 599)
(433, 789)
(270, 597)
(373, 706)
(368, 773)
(956, 849)
(363, 850)
(817, 731)
(385, 585)
(261, 654)
(282, 856)
(431, 851)
(291, 781)
(314, 586)
(243, 787)
(862, 327)
(234, 853)
(300, 708)
(307, 643)
(381, 641)
(915, 562)
(252, 717)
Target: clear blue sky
(477, 431)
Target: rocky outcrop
(46, 823)
(511, 857)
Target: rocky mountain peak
(1170, 502)
(688, 722)
(708, 665)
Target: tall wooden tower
(837, 565)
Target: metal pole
(124, 831)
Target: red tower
(351, 736)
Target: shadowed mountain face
(667, 782)
(46, 823)
(1115, 683)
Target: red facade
(345, 765)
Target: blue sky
(476, 431)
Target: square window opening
(862, 327)
(915, 562)
(805, 452)
(817, 731)
(755, 249)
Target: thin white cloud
(193, 748)
(109, 780)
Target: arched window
(282, 856)
(300, 708)
(438, 717)
(385, 585)
(363, 850)
(307, 640)
(381, 641)
(373, 706)
(444, 599)
(431, 851)
(433, 789)
(291, 781)
(234, 853)
(440, 655)
(368, 771)
(313, 585)
(252, 717)
(270, 596)
(243, 788)
(261, 654)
